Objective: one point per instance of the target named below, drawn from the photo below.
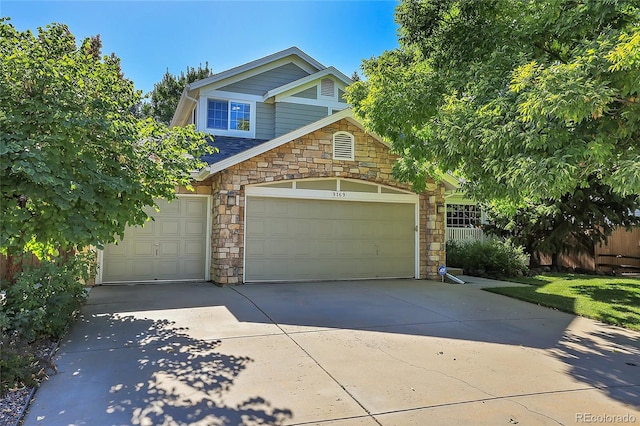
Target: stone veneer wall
(432, 238)
(310, 156)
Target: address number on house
(339, 194)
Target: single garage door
(302, 239)
(171, 247)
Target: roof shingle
(229, 146)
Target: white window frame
(228, 97)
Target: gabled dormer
(263, 99)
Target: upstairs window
(343, 146)
(228, 115)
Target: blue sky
(151, 36)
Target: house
(464, 217)
(298, 191)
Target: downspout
(186, 91)
(186, 96)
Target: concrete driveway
(389, 352)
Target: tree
(76, 165)
(527, 100)
(166, 93)
(574, 223)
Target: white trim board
(306, 82)
(274, 60)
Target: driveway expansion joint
(311, 357)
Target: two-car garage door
(310, 239)
(170, 247)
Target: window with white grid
(463, 216)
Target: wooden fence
(620, 253)
(4, 264)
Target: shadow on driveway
(116, 368)
(175, 353)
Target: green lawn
(614, 300)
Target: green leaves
(76, 165)
(526, 100)
(575, 222)
(166, 93)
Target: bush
(39, 305)
(490, 258)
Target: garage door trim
(207, 267)
(266, 191)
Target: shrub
(490, 258)
(39, 305)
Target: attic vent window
(327, 87)
(343, 146)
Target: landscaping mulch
(14, 403)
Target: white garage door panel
(172, 247)
(302, 239)
(142, 248)
(169, 228)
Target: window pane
(240, 116)
(463, 216)
(217, 114)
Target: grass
(614, 300)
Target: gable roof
(292, 51)
(192, 90)
(280, 140)
(312, 77)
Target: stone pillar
(432, 223)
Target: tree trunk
(14, 266)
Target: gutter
(184, 95)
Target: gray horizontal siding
(293, 116)
(341, 97)
(262, 83)
(265, 120)
(310, 93)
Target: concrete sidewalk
(388, 352)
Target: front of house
(298, 190)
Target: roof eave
(257, 63)
(304, 80)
